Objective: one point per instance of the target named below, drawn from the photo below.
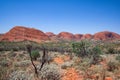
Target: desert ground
(64, 61)
(83, 60)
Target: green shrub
(81, 48)
(118, 58)
(35, 54)
(96, 50)
(95, 55)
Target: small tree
(29, 48)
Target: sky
(75, 16)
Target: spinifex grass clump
(3, 73)
(111, 50)
(50, 72)
(112, 66)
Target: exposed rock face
(87, 36)
(19, 33)
(66, 36)
(78, 36)
(105, 35)
(50, 34)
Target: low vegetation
(65, 60)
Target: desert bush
(35, 54)
(4, 63)
(21, 55)
(3, 73)
(50, 72)
(111, 50)
(81, 48)
(84, 64)
(95, 55)
(22, 63)
(12, 54)
(67, 64)
(112, 66)
(118, 58)
(20, 75)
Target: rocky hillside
(105, 35)
(50, 34)
(87, 36)
(78, 36)
(20, 33)
(66, 36)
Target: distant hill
(106, 35)
(20, 33)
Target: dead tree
(29, 47)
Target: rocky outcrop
(78, 36)
(50, 34)
(66, 36)
(20, 33)
(106, 35)
(87, 36)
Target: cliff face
(105, 35)
(19, 33)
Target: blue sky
(75, 16)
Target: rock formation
(78, 36)
(20, 33)
(50, 34)
(66, 36)
(87, 36)
(106, 35)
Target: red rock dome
(105, 35)
(66, 36)
(20, 33)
